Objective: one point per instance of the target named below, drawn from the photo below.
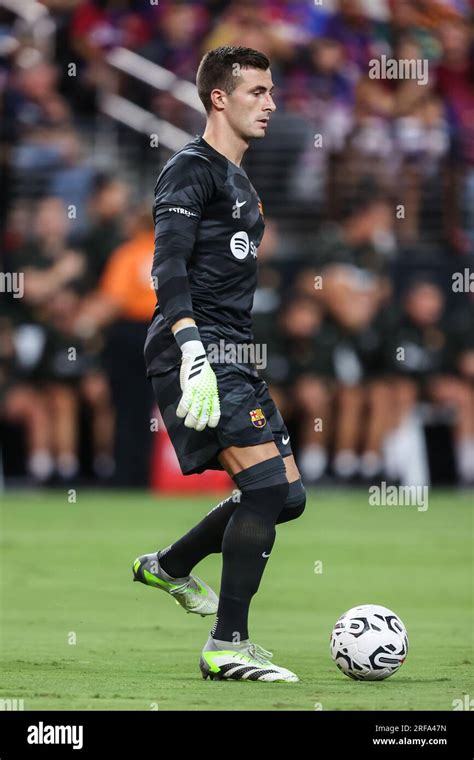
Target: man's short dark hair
(220, 68)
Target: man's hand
(199, 404)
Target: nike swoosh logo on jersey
(239, 205)
(285, 440)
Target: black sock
(206, 537)
(247, 542)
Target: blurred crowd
(368, 194)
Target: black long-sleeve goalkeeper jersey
(208, 226)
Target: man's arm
(180, 197)
(185, 322)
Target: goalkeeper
(208, 226)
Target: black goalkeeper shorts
(249, 417)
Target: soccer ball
(369, 643)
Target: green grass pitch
(76, 633)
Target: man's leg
(249, 536)
(246, 546)
(206, 537)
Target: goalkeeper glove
(199, 404)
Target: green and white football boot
(192, 593)
(224, 660)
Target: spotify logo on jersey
(239, 244)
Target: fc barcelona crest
(258, 418)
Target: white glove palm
(199, 404)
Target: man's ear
(218, 99)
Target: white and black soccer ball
(369, 643)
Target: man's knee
(264, 486)
(295, 502)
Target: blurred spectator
(332, 346)
(46, 259)
(54, 368)
(99, 25)
(421, 357)
(108, 219)
(455, 81)
(72, 181)
(355, 31)
(34, 116)
(423, 142)
(123, 302)
(175, 42)
(364, 238)
(23, 404)
(250, 24)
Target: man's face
(424, 304)
(249, 107)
